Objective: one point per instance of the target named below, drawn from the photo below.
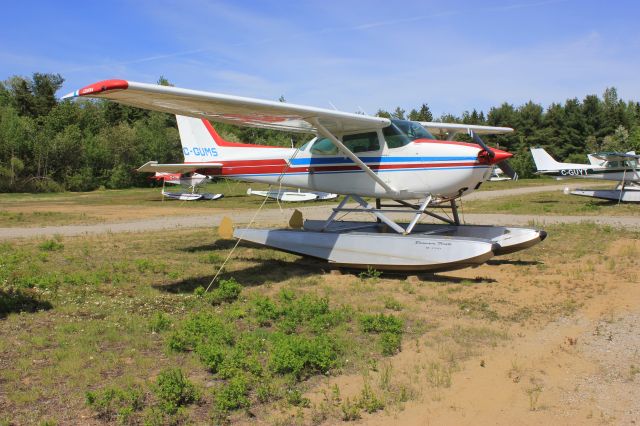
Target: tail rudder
(200, 143)
(544, 161)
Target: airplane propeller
(502, 165)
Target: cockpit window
(403, 132)
(360, 142)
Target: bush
(116, 404)
(199, 291)
(201, 328)
(83, 180)
(390, 343)
(232, 395)
(302, 356)
(121, 177)
(381, 323)
(211, 354)
(265, 310)
(174, 390)
(227, 291)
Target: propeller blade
(508, 170)
(477, 139)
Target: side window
(356, 143)
(362, 142)
(324, 146)
(394, 136)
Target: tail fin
(201, 142)
(543, 160)
(198, 140)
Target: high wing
(616, 156)
(153, 166)
(450, 129)
(230, 109)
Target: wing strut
(346, 151)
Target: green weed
(160, 322)
(51, 245)
(227, 291)
(115, 403)
(174, 390)
(393, 304)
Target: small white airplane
(616, 166)
(352, 154)
(498, 175)
(191, 183)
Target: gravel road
(280, 217)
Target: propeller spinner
(495, 156)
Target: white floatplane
(354, 155)
(621, 167)
(191, 183)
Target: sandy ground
(575, 370)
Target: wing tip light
(99, 87)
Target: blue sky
(454, 55)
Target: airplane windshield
(403, 132)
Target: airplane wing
(153, 166)
(453, 128)
(616, 156)
(230, 109)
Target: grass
(550, 203)
(110, 315)
(53, 209)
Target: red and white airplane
(352, 154)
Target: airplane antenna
(362, 111)
(332, 105)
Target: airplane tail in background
(544, 161)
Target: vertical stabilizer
(543, 160)
(198, 142)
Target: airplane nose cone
(500, 156)
(497, 157)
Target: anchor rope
(255, 215)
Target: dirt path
(579, 369)
(277, 217)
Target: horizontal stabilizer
(153, 166)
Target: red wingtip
(103, 86)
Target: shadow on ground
(269, 270)
(15, 301)
(513, 262)
(219, 244)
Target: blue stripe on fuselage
(362, 171)
(370, 160)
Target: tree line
(51, 145)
